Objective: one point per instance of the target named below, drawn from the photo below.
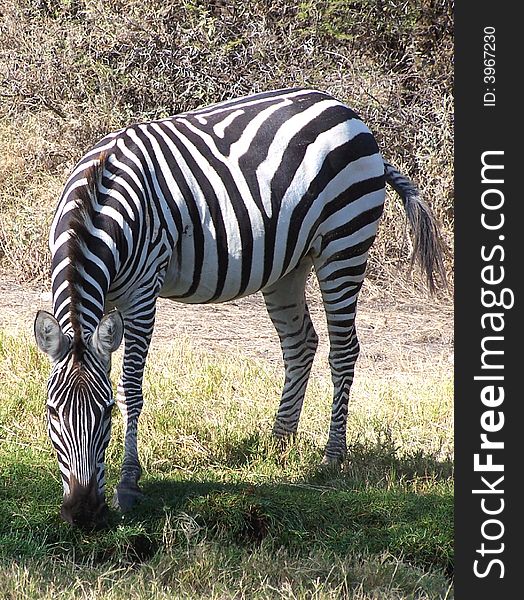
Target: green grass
(228, 514)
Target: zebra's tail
(428, 248)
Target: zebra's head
(79, 404)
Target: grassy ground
(227, 514)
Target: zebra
(208, 206)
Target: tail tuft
(428, 248)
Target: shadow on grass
(365, 508)
(415, 527)
(380, 464)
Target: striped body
(225, 200)
(208, 206)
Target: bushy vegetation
(227, 514)
(73, 70)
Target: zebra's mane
(82, 216)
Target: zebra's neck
(84, 256)
(80, 281)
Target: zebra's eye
(53, 414)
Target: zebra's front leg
(138, 332)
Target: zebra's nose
(84, 506)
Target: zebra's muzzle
(84, 507)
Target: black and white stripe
(219, 203)
(73, 419)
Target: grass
(228, 514)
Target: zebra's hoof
(125, 498)
(332, 463)
(283, 440)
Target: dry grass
(30, 185)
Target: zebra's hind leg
(340, 282)
(286, 305)
(139, 322)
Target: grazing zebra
(207, 206)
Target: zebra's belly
(211, 284)
(203, 294)
(214, 271)
(208, 267)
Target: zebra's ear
(49, 335)
(108, 334)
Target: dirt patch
(397, 332)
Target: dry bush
(73, 70)
(30, 182)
